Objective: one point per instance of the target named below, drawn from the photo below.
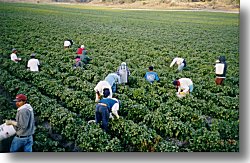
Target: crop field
(152, 119)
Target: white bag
(6, 131)
(219, 68)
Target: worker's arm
(173, 62)
(186, 89)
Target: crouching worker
(104, 108)
(113, 79)
(78, 62)
(68, 43)
(180, 62)
(99, 90)
(183, 86)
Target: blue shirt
(151, 76)
(109, 102)
(112, 78)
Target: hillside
(211, 5)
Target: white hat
(217, 61)
(123, 63)
(82, 46)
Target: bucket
(6, 131)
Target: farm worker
(80, 50)
(68, 43)
(24, 125)
(33, 63)
(180, 62)
(220, 70)
(84, 58)
(114, 110)
(113, 79)
(151, 76)
(78, 62)
(103, 109)
(99, 90)
(183, 86)
(13, 56)
(123, 72)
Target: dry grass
(153, 4)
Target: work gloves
(10, 122)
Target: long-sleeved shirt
(101, 85)
(176, 60)
(113, 78)
(221, 68)
(13, 57)
(25, 121)
(124, 72)
(184, 84)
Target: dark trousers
(185, 63)
(102, 114)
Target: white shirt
(67, 43)
(115, 108)
(184, 84)
(33, 64)
(101, 85)
(178, 61)
(13, 56)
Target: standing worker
(13, 56)
(180, 62)
(220, 70)
(123, 72)
(183, 86)
(113, 79)
(24, 125)
(151, 76)
(33, 63)
(103, 109)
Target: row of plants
(158, 120)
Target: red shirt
(79, 51)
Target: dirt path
(190, 10)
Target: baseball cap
(20, 97)
(13, 49)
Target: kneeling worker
(183, 86)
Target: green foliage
(152, 119)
